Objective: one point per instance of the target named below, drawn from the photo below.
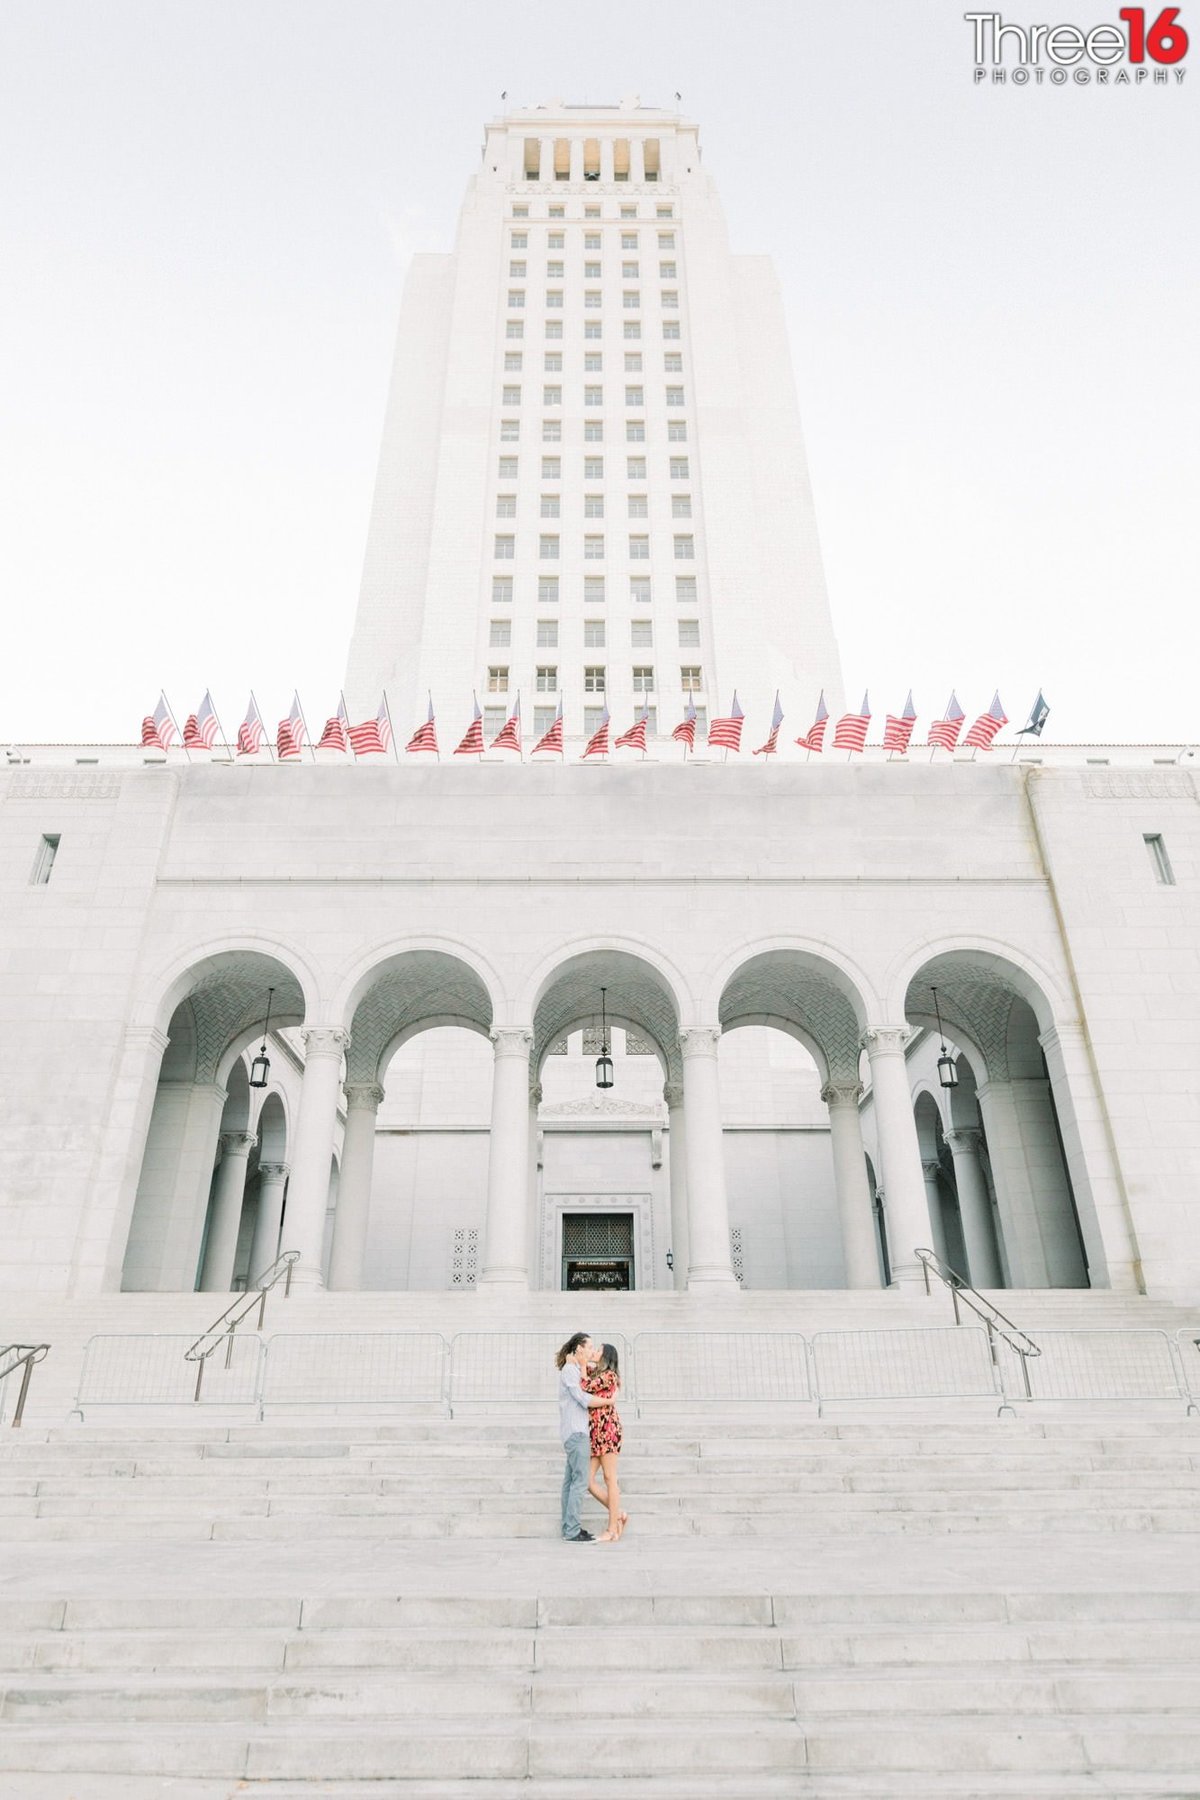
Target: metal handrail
(23, 1357)
(997, 1323)
(224, 1327)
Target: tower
(592, 485)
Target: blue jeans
(575, 1479)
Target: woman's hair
(570, 1347)
(609, 1363)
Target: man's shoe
(582, 1537)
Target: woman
(603, 1381)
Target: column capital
(699, 1040)
(931, 1168)
(886, 1040)
(364, 1096)
(673, 1094)
(1057, 1037)
(325, 1040)
(842, 1093)
(237, 1143)
(273, 1171)
(964, 1139)
(535, 1093)
(511, 1040)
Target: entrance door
(597, 1251)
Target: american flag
(685, 731)
(425, 736)
(1039, 712)
(509, 737)
(850, 732)
(816, 731)
(251, 731)
(769, 748)
(158, 727)
(334, 735)
(200, 727)
(290, 737)
(986, 726)
(635, 737)
(898, 731)
(943, 733)
(598, 742)
(553, 739)
(374, 736)
(472, 744)
(726, 733)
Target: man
(573, 1406)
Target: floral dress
(604, 1421)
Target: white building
(435, 939)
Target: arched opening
(266, 1189)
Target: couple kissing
(589, 1380)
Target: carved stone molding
(273, 1171)
(699, 1040)
(602, 1106)
(47, 786)
(965, 1140)
(1140, 784)
(931, 1168)
(325, 1040)
(237, 1143)
(886, 1040)
(363, 1096)
(842, 1093)
(673, 1094)
(512, 1040)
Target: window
(547, 678)
(593, 634)
(639, 549)
(517, 269)
(547, 590)
(1160, 861)
(593, 678)
(666, 239)
(593, 549)
(593, 396)
(516, 297)
(552, 395)
(643, 679)
(629, 240)
(554, 298)
(670, 328)
(639, 506)
(593, 590)
(497, 679)
(543, 719)
(500, 634)
(674, 396)
(685, 548)
(591, 240)
(547, 634)
(593, 506)
(635, 431)
(641, 634)
(592, 328)
(43, 862)
(591, 271)
(669, 299)
(549, 507)
(553, 328)
(666, 271)
(512, 396)
(639, 590)
(673, 362)
(591, 212)
(631, 299)
(685, 590)
(493, 722)
(634, 396)
(593, 468)
(556, 240)
(651, 721)
(677, 431)
(514, 328)
(633, 362)
(551, 468)
(629, 212)
(507, 468)
(635, 468)
(502, 590)
(548, 549)
(506, 506)
(633, 328)
(504, 549)
(552, 431)
(689, 678)
(520, 212)
(557, 212)
(629, 271)
(679, 468)
(689, 634)
(554, 271)
(591, 299)
(593, 718)
(593, 362)
(681, 506)
(552, 362)
(665, 212)
(593, 431)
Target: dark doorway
(597, 1251)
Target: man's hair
(570, 1347)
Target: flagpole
(221, 729)
(308, 734)
(258, 709)
(437, 753)
(346, 724)
(391, 726)
(175, 723)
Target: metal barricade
(694, 1367)
(148, 1369)
(944, 1362)
(1187, 1354)
(1082, 1364)
(498, 1367)
(360, 1368)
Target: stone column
(103, 1235)
(607, 161)
(1015, 1198)
(974, 1209)
(1054, 1207)
(1092, 1159)
(931, 1169)
(532, 1213)
(709, 1264)
(363, 1100)
(637, 160)
(506, 1235)
(856, 1214)
(265, 1245)
(902, 1180)
(677, 1173)
(546, 160)
(226, 1221)
(576, 161)
(312, 1151)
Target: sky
(207, 212)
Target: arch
(354, 980)
(640, 999)
(198, 967)
(1029, 978)
(790, 1029)
(987, 1005)
(272, 1128)
(823, 958)
(658, 964)
(235, 1115)
(929, 1116)
(407, 992)
(788, 987)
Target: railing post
(199, 1379)
(25, 1376)
(287, 1283)
(262, 1305)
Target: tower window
(685, 548)
(591, 240)
(592, 328)
(639, 549)
(547, 590)
(593, 362)
(593, 431)
(674, 396)
(497, 679)
(634, 396)
(689, 634)
(502, 590)
(689, 678)
(43, 862)
(635, 468)
(508, 468)
(505, 549)
(1159, 860)
(681, 506)
(554, 328)
(506, 506)
(679, 468)
(633, 328)
(516, 297)
(512, 396)
(514, 328)
(556, 212)
(547, 634)
(666, 239)
(591, 271)
(593, 549)
(556, 240)
(593, 506)
(670, 299)
(670, 328)
(677, 431)
(643, 679)
(593, 590)
(517, 269)
(593, 634)
(552, 362)
(554, 298)
(639, 590)
(629, 240)
(549, 505)
(551, 468)
(641, 634)
(547, 678)
(593, 468)
(593, 396)
(500, 634)
(673, 362)
(552, 431)
(639, 506)
(548, 549)
(593, 678)
(666, 271)
(685, 590)
(552, 396)
(635, 431)
(631, 299)
(630, 271)
(591, 299)
(554, 271)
